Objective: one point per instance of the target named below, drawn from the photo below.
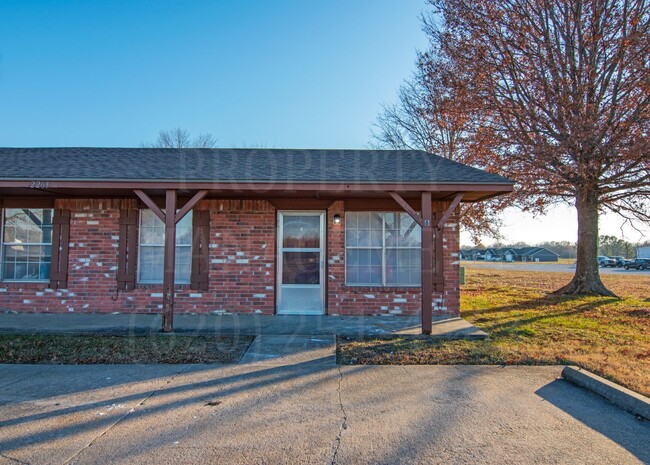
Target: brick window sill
(24, 285)
(180, 287)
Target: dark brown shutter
(200, 249)
(60, 249)
(438, 256)
(127, 252)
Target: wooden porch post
(169, 261)
(425, 220)
(427, 261)
(170, 217)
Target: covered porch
(443, 326)
(172, 183)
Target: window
(382, 249)
(151, 250)
(26, 244)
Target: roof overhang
(243, 189)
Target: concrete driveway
(300, 407)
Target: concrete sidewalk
(307, 411)
(443, 326)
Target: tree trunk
(586, 280)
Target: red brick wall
(242, 256)
(373, 300)
(242, 268)
(242, 265)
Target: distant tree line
(607, 245)
(614, 247)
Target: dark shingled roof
(237, 165)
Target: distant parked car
(620, 261)
(638, 264)
(606, 261)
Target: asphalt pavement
(552, 267)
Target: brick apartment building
(337, 232)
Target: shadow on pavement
(224, 382)
(597, 413)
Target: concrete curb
(618, 395)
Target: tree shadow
(495, 327)
(597, 413)
(244, 378)
(590, 410)
(534, 304)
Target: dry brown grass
(528, 325)
(96, 349)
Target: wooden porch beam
(445, 216)
(408, 209)
(189, 205)
(152, 205)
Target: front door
(301, 268)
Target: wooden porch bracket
(407, 208)
(170, 217)
(190, 204)
(151, 204)
(445, 216)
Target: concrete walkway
(235, 324)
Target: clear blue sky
(279, 73)
(301, 73)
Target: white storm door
(301, 266)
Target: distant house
(521, 253)
(501, 254)
(490, 255)
(510, 254)
(506, 254)
(472, 254)
(643, 252)
(466, 254)
(538, 254)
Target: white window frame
(162, 245)
(3, 244)
(383, 249)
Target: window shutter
(438, 257)
(200, 249)
(60, 249)
(127, 252)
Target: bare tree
(433, 114)
(566, 87)
(180, 138)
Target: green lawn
(94, 349)
(529, 326)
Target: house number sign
(39, 184)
